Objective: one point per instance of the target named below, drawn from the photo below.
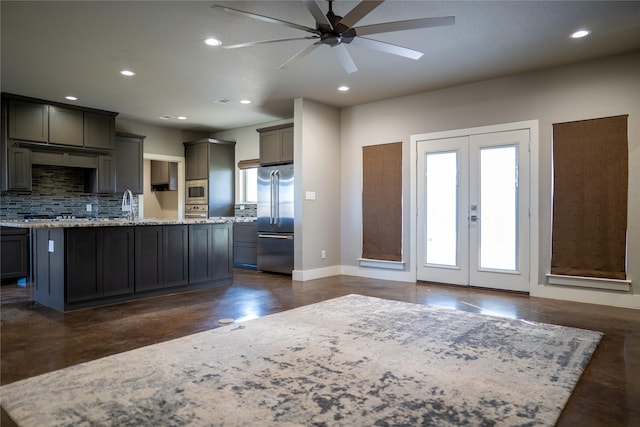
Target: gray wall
(587, 90)
(317, 170)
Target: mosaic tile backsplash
(246, 210)
(59, 191)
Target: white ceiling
(52, 49)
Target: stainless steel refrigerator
(275, 218)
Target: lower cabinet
(245, 237)
(14, 247)
(210, 252)
(79, 267)
(99, 262)
(161, 257)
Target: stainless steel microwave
(197, 192)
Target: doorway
(473, 201)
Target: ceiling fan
(336, 31)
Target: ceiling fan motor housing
(339, 34)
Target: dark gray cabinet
(161, 257)
(175, 255)
(276, 145)
(19, 169)
(47, 122)
(99, 262)
(28, 121)
(196, 161)
(210, 252)
(129, 163)
(77, 267)
(214, 160)
(66, 126)
(99, 131)
(14, 248)
(245, 237)
(102, 179)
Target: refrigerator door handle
(274, 236)
(272, 198)
(276, 175)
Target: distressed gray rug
(349, 361)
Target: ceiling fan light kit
(336, 31)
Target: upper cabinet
(66, 126)
(276, 144)
(99, 130)
(32, 120)
(28, 121)
(164, 175)
(129, 163)
(196, 160)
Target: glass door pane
(441, 184)
(499, 204)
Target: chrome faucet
(127, 204)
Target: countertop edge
(75, 223)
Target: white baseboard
(317, 273)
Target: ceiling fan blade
(267, 19)
(321, 20)
(247, 44)
(411, 24)
(345, 59)
(360, 11)
(387, 47)
(295, 58)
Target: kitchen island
(80, 263)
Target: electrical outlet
(89, 207)
(323, 254)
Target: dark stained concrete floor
(36, 339)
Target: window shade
(590, 179)
(382, 202)
(248, 164)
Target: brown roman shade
(590, 179)
(248, 164)
(382, 202)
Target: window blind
(382, 202)
(590, 180)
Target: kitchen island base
(83, 267)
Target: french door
(473, 210)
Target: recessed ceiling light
(127, 73)
(181, 118)
(245, 101)
(166, 117)
(343, 88)
(212, 42)
(580, 34)
(71, 98)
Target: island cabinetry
(99, 262)
(210, 252)
(77, 267)
(161, 254)
(276, 145)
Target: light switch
(51, 246)
(310, 195)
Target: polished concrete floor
(36, 339)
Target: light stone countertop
(117, 222)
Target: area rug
(349, 361)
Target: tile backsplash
(246, 210)
(58, 190)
